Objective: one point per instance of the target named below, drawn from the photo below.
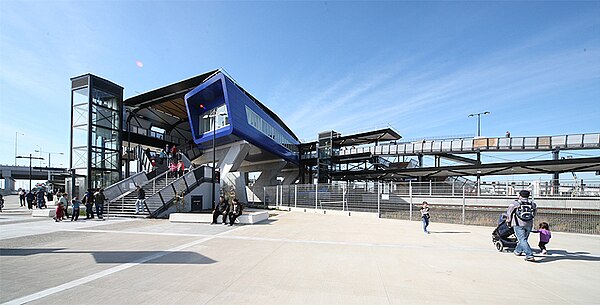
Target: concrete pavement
(295, 258)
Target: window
(264, 127)
(207, 119)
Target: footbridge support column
(233, 180)
(556, 175)
(9, 184)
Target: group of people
(172, 157)
(90, 200)
(228, 210)
(37, 198)
(520, 216)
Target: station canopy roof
(368, 137)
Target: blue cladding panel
(209, 94)
(236, 101)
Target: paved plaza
(294, 258)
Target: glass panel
(105, 118)
(104, 159)
(105, 138)
(105, 99)
(80, 136)
(80, 115)
(79, 157)
(80, 96)
(207, 118)
(103, 178)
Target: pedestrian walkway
(295, 258)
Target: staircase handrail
(110, 190)
(140, 185)
(199, 176)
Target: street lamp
(214, 137)
(49, 155)
(16, 136)
(39, 151)
(479, 120)
(30, 158)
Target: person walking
(139, 203)
(61, 207)
(236, 211)
(222, 208)
(30, 198)
(22, 197)
(174, 153)
(425, 216)
(545, 235)
(41, 198)
(75, 203)
(88, 200)
(180, 168)
(520, 215)
(99, 200)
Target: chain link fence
(456, 203)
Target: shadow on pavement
(120, 257)
(449, 232)
(559, 255)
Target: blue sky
(420, 67)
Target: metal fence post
(316, 195)
(430, 193)
(343, 197)
(463, 206)
(378, 199)
(277, 196)
(410, 195)
(452, 188)
(295, 195)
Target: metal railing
(572, 141)
(125, 186)
(161, 200)
(154, 134)
(449, 203)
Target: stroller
(503, 236)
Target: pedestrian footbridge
(480, 144)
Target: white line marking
(101, 274)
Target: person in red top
(174, 152)
(180, 167)
(172, 169)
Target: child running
(545, 235)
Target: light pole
(30, 158)
(214, 137)
(16, 136)
(479, 120)
(39, 151)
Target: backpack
(525, 211)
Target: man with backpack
(520, 216)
